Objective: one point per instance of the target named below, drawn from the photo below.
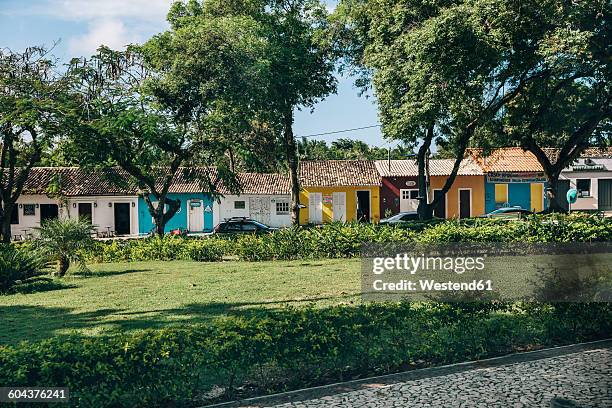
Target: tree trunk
(424, 210)
(63, 263)
(552, 190)
(5, 229)
(292, 162)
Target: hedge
(273, 351)
(338, 240)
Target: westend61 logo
(409, 264)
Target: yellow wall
(476, 183)
(351, 202)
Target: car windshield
(259, 224)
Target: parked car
(508, 213)
(242, 225)
(400, 218)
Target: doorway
(440, 209)
(363, 206)
(563, 187)
(48, 212)
(604, 196)
(409, 200)
(465, 203)
(122, 218)
(537, 197)
(339, 206)
(315, 208)
(196, 215)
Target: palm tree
(63, 240)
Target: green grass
(137, 295)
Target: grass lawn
(129, 296)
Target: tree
(568, 106)
(35, 108)
(447, 70)
(183, 96)
(299, 65)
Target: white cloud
(79, 10)
(112, 33)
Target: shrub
(63, 241)
(17, 264)
(286, 349)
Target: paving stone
(584, 378)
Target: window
(282, 208)
(584, 187)
(247, 226)
(15, 215)
(239, 205)
(29, 209)
(501, 194)
(410, 194)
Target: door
(48, 212)
(465, 203)
(86, 212)
(604, 195)
(409, 200)
(537, 197)
(122, 218)
(196, 215)
(501, 195)
(259, 208)
(562, 188)
(440, 209)
(339, 206)
(315, 208)
(363, 206)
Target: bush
(287, 349)
(17, 264)
(337, 240)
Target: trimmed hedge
(288, 349)
(344, 240)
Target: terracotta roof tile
(511, 159)
(330, 173)
(437, 167)
(261, 183)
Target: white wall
(226, 209)
(103, 215)
(586, 203)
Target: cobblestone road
(583, 378)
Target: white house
(264, 197)
(591, 175)
(76, 193)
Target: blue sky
(81, 26)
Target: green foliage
(287, 349)
(17, 264)
(337, 240)
(64, 240)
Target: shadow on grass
(40, 284)
(99, 274)
(37, 323)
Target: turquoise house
(195, 214)
(513, 178)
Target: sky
(78, 27)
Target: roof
(76, 181)
(330, 173)
(437, 167)
(510, 159)
(598, 152)
(262, 183)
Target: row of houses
(332, 190)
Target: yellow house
(339, 190)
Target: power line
(340, 131)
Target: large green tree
(183, 96)
(298, 62)
(35, 108)
(451, 69)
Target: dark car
(508, 213)
(242, 225)
(400, 218)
